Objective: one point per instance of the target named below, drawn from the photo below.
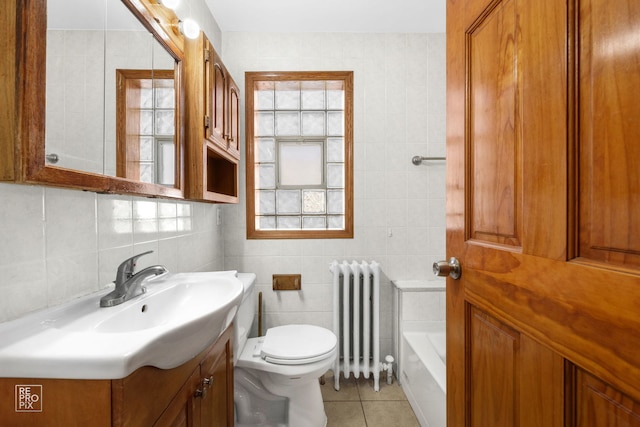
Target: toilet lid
(297, 344)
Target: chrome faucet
(128, 284)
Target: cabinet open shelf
(221, 172)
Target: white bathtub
(424, 377)
(420, 343)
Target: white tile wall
(399, 102)
(58, 244)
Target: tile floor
(357, 405)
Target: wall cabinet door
(221, 103)
(215, 99)
(233, 118)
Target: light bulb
(189, 28)
(171, 4)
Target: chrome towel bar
(417, 160)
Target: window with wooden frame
(145, 126)
(299, 133)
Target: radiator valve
(388, 366)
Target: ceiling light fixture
(171, 4)
(189, 28)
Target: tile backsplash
(58, 244)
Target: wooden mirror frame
(29, 153)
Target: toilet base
(306, 407)
(254, 405)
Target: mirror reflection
(110, 93)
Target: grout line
(364, 414)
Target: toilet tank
(246, 313)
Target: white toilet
(278, 373)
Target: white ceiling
(370, 16)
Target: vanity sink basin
(178, 317)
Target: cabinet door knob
(207, 381)
(201, 393)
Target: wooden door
(543, 212)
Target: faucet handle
(125, 269)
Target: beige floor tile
(358, 405)
(389, 414)
(348, 389)
(387, 391)
(344, 414)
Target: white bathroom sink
(177, 318)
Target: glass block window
(145, 126)
(301, 164)
(299, 154)
(157, 129)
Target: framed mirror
(106, 115)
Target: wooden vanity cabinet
(198, 393)
(212, 126)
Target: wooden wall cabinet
(23, 35)
(212, 126)
(197, 393)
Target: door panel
(184, 409)
(545, 122)
(219, 100)
(234, 118)
(601, 405)
(541, 398)
(609, 139)
(514, 380)
(543, 212)
(493, 362)
(494, 142)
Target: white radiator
(356, 319)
